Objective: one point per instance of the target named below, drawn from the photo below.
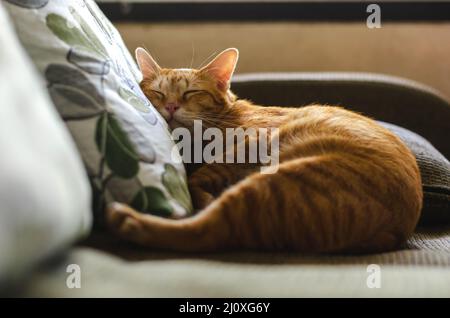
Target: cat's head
(184, 95)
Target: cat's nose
(172, 107)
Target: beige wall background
(418, 51)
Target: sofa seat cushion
(116, 269)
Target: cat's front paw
(200, 198)
(123, 221)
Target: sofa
(109, 267)
(113, 268)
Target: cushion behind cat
(93, 82)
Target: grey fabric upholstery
(399, 101)
(427, 246)
(435, 173)
(116, 269)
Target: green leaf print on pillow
(177, 187)
(88, 61)
(151, 200)
(73, 94)
(29, 4)
(133, 100)
(139, 104)
(89, 33)
(69, 33)
(89, 54)
(85, 49)
(113, 143)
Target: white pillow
(45, 198)
(93, 82)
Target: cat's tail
(314, 204)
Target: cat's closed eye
(188, 94)
(159, 94)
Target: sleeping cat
(344, 183)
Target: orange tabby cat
(344, 183)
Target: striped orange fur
(344, 183)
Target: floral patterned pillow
(93, 81)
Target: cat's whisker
(204, 61)
(218, 121)
(193, 54)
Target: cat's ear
(222, 67)
(148, 66)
